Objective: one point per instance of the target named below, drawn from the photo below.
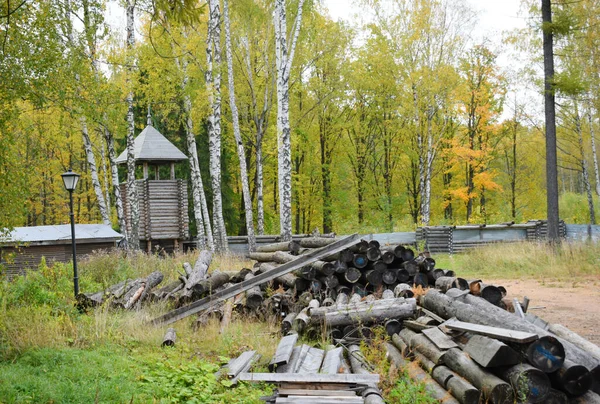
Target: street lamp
(70, 180)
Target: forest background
(399, 119)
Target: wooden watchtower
(163, 203)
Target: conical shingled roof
(151, 145)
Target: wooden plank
(319, 400)
(495, 332)
(312, 361)
(232, 291)
(284, 351)
(340, 378)
(319, 386)
(439, 339)
(415, 326)
(307, 392)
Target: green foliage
(406, 391)
(195, 383)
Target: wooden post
(145, 170)
(172, 171)
(156, 173)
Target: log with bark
(198, 274)
(477, 310)
(530, 384)
(169, 338)
(494, 389)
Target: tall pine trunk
(236, 133)
(213, 82)
(133, 241)
(550, 119)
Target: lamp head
(70, 180)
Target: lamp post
(70, 180)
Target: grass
(526, 261)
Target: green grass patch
(525, 260)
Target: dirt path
(574, 305)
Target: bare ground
(574, 304)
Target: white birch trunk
(133, 242)
(213, 81)
(426, 216)
(237, 134)
(106, 188)
(584, 169)
(284, 66)
(420, 152)
(260, 122)
(112, 160)
(594, 154)
(198, 196)
(91, 159)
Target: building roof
(61, 234)
(151, 145)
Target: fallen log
(317, 242)
(360, 366)
(530, 384)
(227, 313)
(324, 268)
(254, 296)
(462, 390)
(170, 338)
(494, 389)
(352, 275)
(573, 379)
(574, 338)
(207, 286)
(152, 281)
(291, 246)
(444, 283)
(558, 397)
(477, 310)
(85, 300)
(373, 254)
(420, 343)
(198, 274)
(491, 293)
(360, 261)
(403, 290)
(416, 373)
(588, 398)
(369, 315)
(546, 354)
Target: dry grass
(526, 260)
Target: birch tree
(584, 165)
(133, 242)
(87, 142)
(283, 62)
(594, 153)
(236, 132)
(213, 83)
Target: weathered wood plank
(439, 339)
(494, 332)
(340, 378)
(284, 351)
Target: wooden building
(24, 247)
(163, 203)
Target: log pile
(193, 284)
(470, 342)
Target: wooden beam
(494, 332)
(230, 292)
(340, 378)
(439, 339)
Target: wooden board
(309, 392)
(319, 400)
(234, 290)
(340, 378)
(439, 339)
(494, 332)
(284, 351)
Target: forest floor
(574, 304)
